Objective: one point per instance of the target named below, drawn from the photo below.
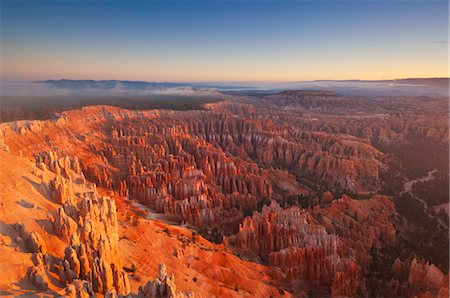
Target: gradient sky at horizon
(223, 41)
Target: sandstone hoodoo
(92, 254)
(305, 246)
(265, 159)
(238, 199)
(162, 286)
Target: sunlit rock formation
(92, 254)
(162, 286)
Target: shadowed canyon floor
(291, 194)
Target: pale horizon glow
(224, 41)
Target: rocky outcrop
(60, 166)
(38, 278)
(414, 278)
(36, 244)
(79, 289)
(362, 224)
(275, 229)
(163, 286)
(61, 189)
(65, 170)
(93, 255)
(425, 276)
(329, 246)
(38, 274)
(346, 281)
(303, 250)
(64, 225)
(32, 242)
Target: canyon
(296, 193)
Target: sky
(216, 41)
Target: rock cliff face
(92, 254)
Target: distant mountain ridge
(416, 81)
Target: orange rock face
(237, 200)
(204, 168)
(92, 254)
(305, 245)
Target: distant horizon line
(239, 81)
